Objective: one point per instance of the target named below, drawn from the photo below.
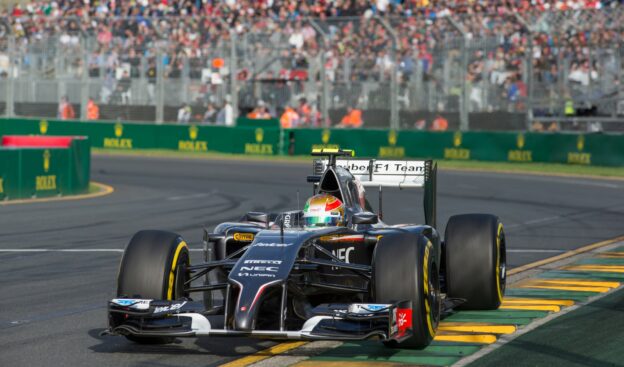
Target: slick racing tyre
(154, 266)
(475, 261)
(404, 270)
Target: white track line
(192, 196)
(534, 250)
(528, 176)
(535, 221)
(85, 250)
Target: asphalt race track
(53, 303)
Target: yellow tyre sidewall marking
(498, 259)
(428, 314)
(178, 250)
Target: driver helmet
(323, 210)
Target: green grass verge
(532, 168)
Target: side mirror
(257, 217)
(365, 218)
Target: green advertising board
(127, 136)
(584, 149)
(268, 139)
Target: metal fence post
(160, 86)
(530, 79)
(10, 100)
(84, 82)
(394, 83)
(233, 68)
(233, 81)
(324, 85)
(464, 124)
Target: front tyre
(154, 266)
(476, 266)
(404, 270)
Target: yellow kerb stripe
(468, 338)
(612, 255)
(597, 268)
(551, 308)
(590, 283)
(181, 245)
(476, 328)
(264, 354)
(537, 301)
(568, 288)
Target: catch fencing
(534, 67)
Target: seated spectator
(439, 124)
(66, 110)
(93, 111)
(353, 118)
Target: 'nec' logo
(343, 254)
(273, 269)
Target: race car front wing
(182, 318)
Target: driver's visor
(321, 221)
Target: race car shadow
(216, 347)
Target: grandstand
(507, 65)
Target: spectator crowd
(193, 39)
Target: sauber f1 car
(270, 275)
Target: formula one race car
(331, 271)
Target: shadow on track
(226, 348)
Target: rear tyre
(154, 266)
(476, 266)
(404, 269)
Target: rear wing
(400, 174)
